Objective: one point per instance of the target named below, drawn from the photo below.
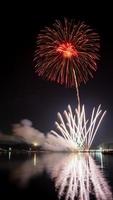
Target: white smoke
(28, 133)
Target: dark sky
(23, 94)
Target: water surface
(54, 176)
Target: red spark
(67, 50)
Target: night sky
(24, 95)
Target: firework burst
(64, 47)
(74, 131)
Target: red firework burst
(65, 47)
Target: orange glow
(67, 49)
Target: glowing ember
(67, 50)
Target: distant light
(100, 148)
(35, 144)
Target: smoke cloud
(28, 133)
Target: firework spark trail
(74, 132)
(77, 90)
(66, 47)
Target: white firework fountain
(74, 131)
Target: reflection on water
(27, 170)
(99, 155)
(35, 159)
(76, 176)
(9, 155)
(79, 176)
(101, 160)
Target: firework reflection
(75, 175)
(78, 176)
